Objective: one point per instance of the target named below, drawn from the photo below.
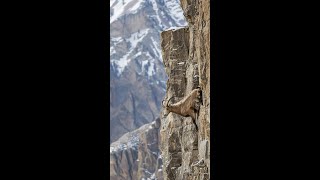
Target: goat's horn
(162, 102)
(169, 101)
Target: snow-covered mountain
(137, 76)
(156, 16)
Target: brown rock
(186, 56)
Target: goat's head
(165, 107)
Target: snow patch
(136, 6)
(156, 48)
(153, 176)
(134, 39)
(137, 37)
(112, 51)
(116, 39)
(176, 12)
(156, 9)
(175, 28)
(132, 143)
(129, 140)
(151, 70)
(122, 7)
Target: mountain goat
(188, 106)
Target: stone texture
(186, 57)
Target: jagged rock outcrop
(186, 55)
(136, 154)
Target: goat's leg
(195, 121)
(197, 102)
(194, 117)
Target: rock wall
(186, 55)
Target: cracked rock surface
(186, 56)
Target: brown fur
(188, 106)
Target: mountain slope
(136, 154)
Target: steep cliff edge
(185, 149)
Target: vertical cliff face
(185, 146)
